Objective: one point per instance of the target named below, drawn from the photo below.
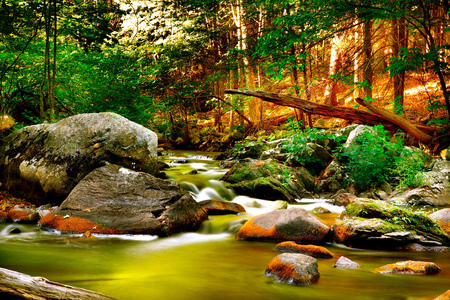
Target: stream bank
(208, 263)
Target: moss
(406, 219)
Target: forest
(167, 64)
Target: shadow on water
(209, 264)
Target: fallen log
(16, 285)
(346, 113)
(401, 122)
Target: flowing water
(209, 264)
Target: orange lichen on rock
(3, 216)
(409, 268)
(444, 225)
(75, 225)
(340, 232)
(250, 231)
(22, 216)
(311, 250)
(283, 271)
(444, 296)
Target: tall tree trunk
(356, 63)
(335, 65)
(248, 68)
(400, 40)
(53, 77)
(46, 14)
(295, 80)
(367, 59)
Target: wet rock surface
(293, 268)
(294, 224)
(43, 163)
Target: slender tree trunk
(295, 79)
(46, 71)
(400, 40)
(53, 79)
(356, 63)
(335, 65)
(367, 59)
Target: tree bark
(367, 54)
(380, 116)
(400, 40)
(15, 285)
(401, 122)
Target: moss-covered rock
(378, 224)
(270, 180)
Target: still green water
(209, 264)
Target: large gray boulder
(114, 199)
(44, 162)
(434, 191)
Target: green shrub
(376, 158)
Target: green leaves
(376, 158)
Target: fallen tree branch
(401, 122)
(421, 132)
(235, 110)
(23, 286)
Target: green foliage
(103, 81)
(371, 158)
(296, 144)
(375, 158)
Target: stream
(208, 264)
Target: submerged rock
(113, 199)
(410, 268)
(214, 207)
(294, 224)
(43, 163)
(293, 268)
(311, 250)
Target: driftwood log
(378, 115)
(15, 285)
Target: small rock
(320, 210)
(345, 263)
(311, 250)
(15, 230)
(293, 268)
(193, 172)
(410, 268)
(23, 214)
(344, 199)
(214, 207)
